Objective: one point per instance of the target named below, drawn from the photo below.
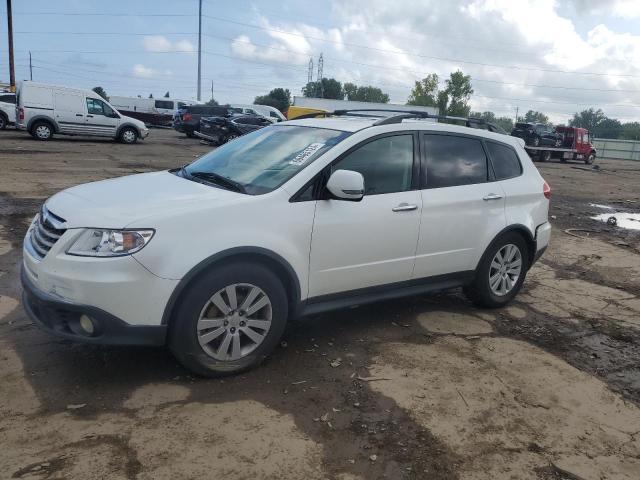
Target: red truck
(576, 145)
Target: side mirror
(346, 185)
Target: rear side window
(8, 98)
(453, 161)
(166, 104)
(504, 160)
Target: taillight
(20, 113)
(186, 117)
(546, 189)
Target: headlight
(109, 243)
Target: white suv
(7, 109)
(297, 218)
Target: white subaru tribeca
(302, 217)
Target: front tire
(590, 159)
(229, 320)
(128, 135)
(501, 272)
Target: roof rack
(386, 120)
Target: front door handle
(492, 196)
(89, 116)
(404, 207)
(79, 115)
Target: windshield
(263, 160)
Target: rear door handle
(404, 207)
(492, 196)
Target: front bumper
(144, 133)
(62, 318)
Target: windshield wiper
(219, 180)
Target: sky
(557, 57)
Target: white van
(266, 111)
(44, 110)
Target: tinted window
(385, 164)
(167, 104)
(8, 98)
(454, 161)
(504, 160)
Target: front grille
(46, 231)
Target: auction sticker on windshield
(305, 154)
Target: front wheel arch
(283, 270)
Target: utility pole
(12, 71)
(199, 47)
(30, 67)
(516, 115)
(211, 89)
(310, 71)
(320, 85)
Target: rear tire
(42, 130)
(187, 337)
(480, 292)
(544, 156)
(3, 122)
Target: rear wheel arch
(43, 118)
(524, 232)
(274, 262)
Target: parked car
(44, 110)
(220, 130)
(187, 119)
(537, 134)
(266, 111)
(293, 219)
(7, 109)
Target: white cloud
(141, 71)
(160, 43)
(627, 9)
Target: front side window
(453, 160)
(98, 107)
(263, 160)
(386, 164)
(504, 160)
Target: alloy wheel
(234, 321)
(505, 270)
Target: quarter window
(386, 164)
(453, 160)
(166, 104)
(504, 160)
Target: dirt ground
(427, 387)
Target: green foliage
(212, 103)
(589, 119)
(452, 100)
(630, 131)
(608, 128)
(327, 88)
(364, 93)
(506, 123)
(533, 116)
(100, 91)
(279, 98)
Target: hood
(119, 202)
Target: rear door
(69, 111)
(462, 209)
(101, 119)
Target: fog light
(87, 324)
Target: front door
(462, 208)
(101, 119)
(372, 242)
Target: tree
(630, 131)
(506, 123)
(279, 98)
(589, 119)
(364, 93)
(166, 95)
(608, 128)
(452, 100)
(212, 103)
(534, 117)
(100, 91)
(425, 92)
(458, 94)
(326, 88)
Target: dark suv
(537, 134)
(187, 119)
